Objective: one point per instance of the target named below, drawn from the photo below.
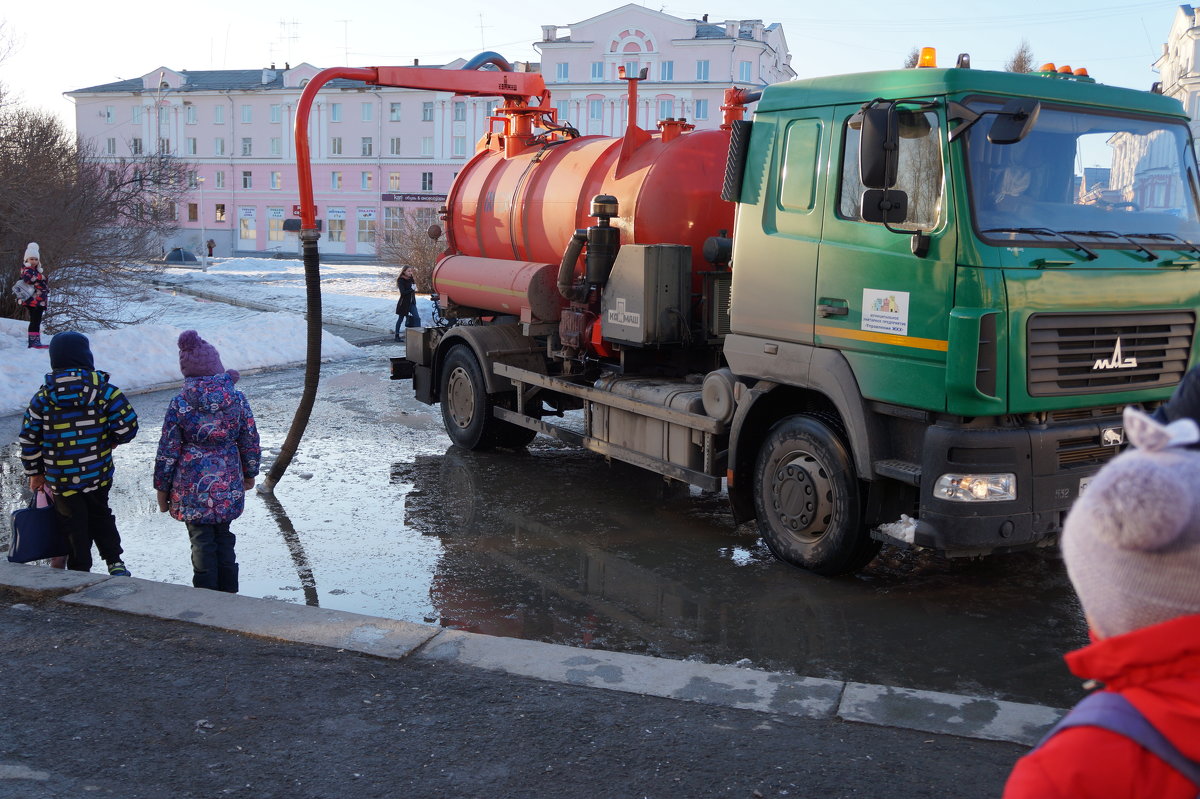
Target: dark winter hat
(1132, 542)
(198, 358)
(71, 350)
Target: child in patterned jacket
(208, 457)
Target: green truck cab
(965, 275)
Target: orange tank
(525, 208)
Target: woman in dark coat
(406, 306)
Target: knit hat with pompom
(1132, 541)
(198, 358)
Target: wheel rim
(460, 397)
(802, 495)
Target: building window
(368, 145)
(426, 145)
(595, 109)
(277, 180)
(189, 114)
(666, 70)
(247, 114)
(189, 145)
(489, 108)
(335, 112)
(247, 145)
(276, 113)
(666, 109)
(394, 181)
(562, 71)
(702, 70)
(744, 71)
(193, 212)
(246, 231)
(392, 222)
(395, 145)
(458, 146)
(426, 181)
(365, 181)
(335, 181)
(219, 114)
(135, 146)
(219, 180)
(274, 224)
(109, 114)
(394, 112)
(597, 70)
(460, 111)
(219, 211)
(366, 230)
(164, 146)
(426, 112)
(335, 145)
(192, 182)
(137, 115)
(367, 112)
(276, 145)
(562, 107)
(337, 228)
(247, 180)
(631, 69)
(110, 146)
(702, 109)
(426, 216)
(218, 146)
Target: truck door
(884, 307)
(775, 260)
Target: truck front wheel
(808, 498)
(467, 407)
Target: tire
(809, 500)
(467, 407)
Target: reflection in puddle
(308, 583)
(557, 546)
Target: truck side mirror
(879, 146)
(889, 206)
(1014, 121)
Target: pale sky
(71, 44)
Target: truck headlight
(976, 487)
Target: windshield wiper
(1187, 245)
(1043, 231)
(1112, 234)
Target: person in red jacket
(34, 274)
(1132, 550)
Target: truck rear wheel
(809, 500)
(467, 407)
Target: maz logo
(1116, 361)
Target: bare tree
(411, 245)
(97, 221)
(1022, 59)
(913, 57)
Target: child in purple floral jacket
(208, 457)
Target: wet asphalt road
(379, 514)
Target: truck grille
(1077, 353)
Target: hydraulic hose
(566, 269)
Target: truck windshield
(1110, 180)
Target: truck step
(904, 471)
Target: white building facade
(1179, 65)
(379, 153)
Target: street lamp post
(203, 238)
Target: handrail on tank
(517, 89)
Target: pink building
(381, 152)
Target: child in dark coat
(208, 457)
(67, 437)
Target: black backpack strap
(1113, 712)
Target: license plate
(1083, 484)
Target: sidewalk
(129, 688)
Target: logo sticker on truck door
(885, 311)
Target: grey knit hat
(1132, 541)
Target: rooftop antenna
(482, 45)
(345, 41)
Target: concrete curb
(707, 683)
